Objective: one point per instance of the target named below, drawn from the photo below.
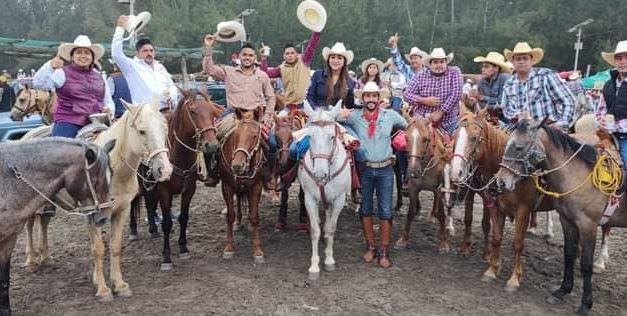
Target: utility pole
(578, 43)
(452, 11)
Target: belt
(380, 164)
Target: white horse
(324, 175)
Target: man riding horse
(495, 72)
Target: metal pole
(578, 46)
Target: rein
(248, 153)
(430, 152)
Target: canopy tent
(588, 82)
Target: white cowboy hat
(230, 31)
(338, 49)
(372, 86)
(524, 48)
(495, 59)
(416, 51)
(312, 15)
(438, 53)
(574, 75)
(65, 49)
(136, 23)
(366, 63)
(621, 48)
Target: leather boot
(371, 251)
(356, 171)
(386, 235)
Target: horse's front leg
(571, 241)
(443, 233)
(119, 220)
(488, 205)
(314, 231)
(186, 199)
(152, 202)
(330, 225)
(520, 225)
(97, 251)
(134, 218)
(498, 223)
(588, 241)
(468, 217)
(303, 218)
(165, 199)
(254, 195)
(604, 257)
(30, 265)
(44, 254)
(281, 223)
(6, 248)
(227, 195)
(412, 211)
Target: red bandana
(372, 121)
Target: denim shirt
(379, 147)
(492, 90)
(317, 92)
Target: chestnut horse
(240, 169)
(29, 101)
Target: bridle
(249, 153)
(532, 156)
(470, 171)
(198, 132)
(431, 163)
(32, 104)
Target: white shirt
(50, 79)
(144, 81)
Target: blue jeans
(381, 182)
(450, 129)
(622, 149)
(396, 103)
(68, 130)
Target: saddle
(99, 123)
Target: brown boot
(386, 235)
(212, 181)
(371, 251)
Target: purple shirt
(80, 95)
(447, 87)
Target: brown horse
(566, 165)
(30, 101)
(240, 168)
(284, 126)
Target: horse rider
(373, 125)
(146, 77)
(81, 90)
(436, 93)
(416, 58)
(534, 90)
(119, 89)
(614, 98)
(7, 95)
(247, 88)
(495, 72)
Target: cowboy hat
(230, 31)
(372, 86)
(366, 63)
(3, 79)
(136, 23)
(312, 15)
(621, 48)
(438, 53)
(496, 59)
(598, 85)
(338, 49)
(574, 75)
(416, 51)
(65, 49)
(524, 48)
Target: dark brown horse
(191, 135)
(240, 168)
(284, 127)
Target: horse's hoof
(259, 259)
(464, 251)
(329, 267)
(228, 255)
(548, 236)
(31, 268)
(104, 298)
(400, 244)
(596, 269)
(166, 266)
(155, 235)
(237, 227)
(552, 299)
(487, 279)
(313, 276)
(511, 288)
(444, 249)
(132, 237)
(184, 255)
(124, 293)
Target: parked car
(10, 130)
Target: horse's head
(524, 154)
(25, 105)
(283, 128)
(246, 141)
(146, 132)
(323, 139)
(469, 137)
(195, 115)
(418, 134)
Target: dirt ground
(421, 282)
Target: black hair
(141, 42)
(246, 45)
(289, 46)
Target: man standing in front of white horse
(373, 125)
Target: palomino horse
(29, 101)
(141, 137)
(32, 173)
(284, 127)
(567, 166)
(324, 174)
(191, 136)
(240, 168)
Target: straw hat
(136, 23)
(524, 48)
(621, 48)
(3, 79)
(438, 53)
(65, 49)
(372, 86)
(366, 63)
(495, 59)
(598, 85)
(574, 75)
(312, 15)
(230, 32)
(416, 51)
(338, 49)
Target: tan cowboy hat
(3, 79)
(416, 51)
(230, 32)
(574, 75)
(136, 23)
(598, 85)
(495, 59)
(524, 48)
(621, 48)
(312, 15)
(438, 53)
(366, 63)
(65, 49)
(372, 86)
(338, 49)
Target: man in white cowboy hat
(614, 97)
(494, 73)
(534, 90)
(436, 93)
(373, 125)
(147, 78)
(415, 57)
(581, 101)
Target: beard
(371, 106)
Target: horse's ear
(128, 106)
(154, 104)
(308, 110)
(335, 110)
(483, 114)
(108, 147)
(534, 125)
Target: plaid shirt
(402, 66)
(447, 87)
(543, 95)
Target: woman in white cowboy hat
(332, 83)
(371, 70)
(495, 72)
(81, 90)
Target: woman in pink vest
(81, 90)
